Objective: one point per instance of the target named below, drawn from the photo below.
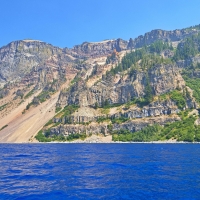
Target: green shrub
(178, 98)
(76, 136)
(3, 127)
(68, 110)
(49, 122)
(119, 120)
(58, 109)
(102, 119)
(29, 94)
(194, 84)
(41, 137)
(3, 106)
(28, 106)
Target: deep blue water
(99, 171)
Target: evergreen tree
(96, 105)
(148, 91)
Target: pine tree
(148, 91)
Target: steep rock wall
(162, 78)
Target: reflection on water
(103, 171)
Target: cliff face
(124, 86)
(31, 61)
(163, 78)
(19, 58)
(131, 125)
(98, 49)
(155, 109)
(167, 36)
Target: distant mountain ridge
(29, 49)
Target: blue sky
(66, 23)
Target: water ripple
(99, 171)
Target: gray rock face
(104, 48)
(132, 125)
(137, 125)
(32, 61)
(155, 109)
(72, 129)
(19, 58)
(163, 78)
(167, 53)
(97, 49)
(168, 36)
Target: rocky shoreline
(95, 139)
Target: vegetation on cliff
(149, 56)
(184, 130)
(3, 106)
(190, 47)
(194, 84)
(60, 138)
(3, 127)
(44, 134)
(67, 110)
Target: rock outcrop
(131, 125)
(163, 78)
(20, 58)
(158, 34)
(31, 62)
(155, 109)
(97, 49)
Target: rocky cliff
(131, 125)
(96, 49)
(158, 34)
(29, 61)
(116, 84)
(163, 78)
(20, 58)
(123, 87)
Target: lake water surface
(99, 171)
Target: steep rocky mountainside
(166, 36)
(30, 61)
(99, 48)
(121, 89)
(102, 87)
(21, 58)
